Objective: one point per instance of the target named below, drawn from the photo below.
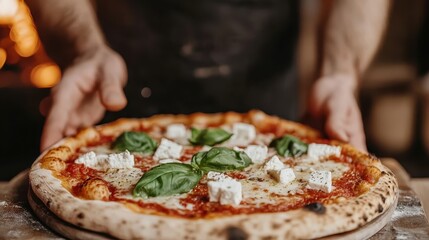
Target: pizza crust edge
(119, 221)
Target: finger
(336, 120)
(113, 78)
(357, 132)
(335, 127)
(65, 98)
(90, 111)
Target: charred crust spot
(81, 215)
(48, 204)
(364, 217)
(124, 221)
(370, 204)
(383, 198)
(276, 225)
(287, 220)
(38, 185)
(380, 208)
(349, 214)
(316, 207)
(235, 233)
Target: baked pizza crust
(120, 221)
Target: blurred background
(394, 94)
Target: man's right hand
(89, 87)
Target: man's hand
(332, 102)
(90, 86)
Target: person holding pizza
(210, 55)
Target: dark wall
(20, 128)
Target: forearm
(69, 27)
(353, 32)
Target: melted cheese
(124, 179)
(257, 185)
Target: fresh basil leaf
(135, 142)
(289, 145)
(208, 136)
(167, 179)
(220, 159)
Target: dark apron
(205, 55)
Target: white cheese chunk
(103, 162)
(243, 134)
(119, 160)
(317, 151)
(273, 164)
(256, 153)
(175, 131)
(168, 149)
(232, 194)
(215, 190)
(227, 192)
(320, 180)
(284, 176)
(88, 159)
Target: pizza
(211, 176)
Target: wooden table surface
(419, 185)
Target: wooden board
(73, 232)
(65, 229)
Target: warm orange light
(3, 56)
(8, 9)
(45, 75)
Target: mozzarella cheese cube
(88, 159)
(320, 180)
(175, 131)
(215, 190)
(317, 151)
(231, 194)
(168, 149)
(103, 162)
(273, 164)
(284, 176)
(256, 153)
(119, 160)
(227, 192)
(243, 133)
